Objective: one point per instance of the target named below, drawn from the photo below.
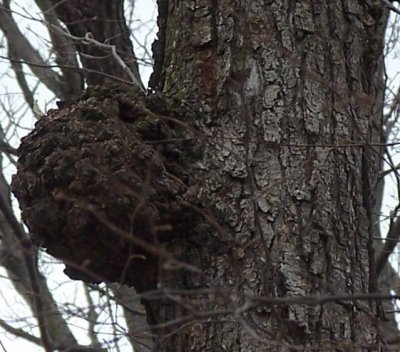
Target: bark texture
(292, 95)
(283, 100)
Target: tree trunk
(271, 198)
(291, 98)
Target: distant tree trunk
(274, 199)
(104, 22)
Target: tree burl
(101, 183)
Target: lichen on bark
(100, 183)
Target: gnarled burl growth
(100, 184)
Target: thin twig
(391, 6)
(89, 39)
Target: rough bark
(284, 103)
(281, 81)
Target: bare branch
(21, 79)
(106, 22)
(92, 316)
(22, 49)
(19, 259)
(89, 39)
(28, 255)
(63, 48)
(20, 333)
(390, 6)
(135, 317)
(391, 242)
(85, 71)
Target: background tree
(238, 196)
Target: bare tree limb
(127, 298)
(63, 49)
(390, 6)
(15, 258)
(20, 333)
(92, 316)
(24, 50)
(135, 79)
(85, 71)
(21, 79)
(106, 21)
(392, 239)
(30, 261)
